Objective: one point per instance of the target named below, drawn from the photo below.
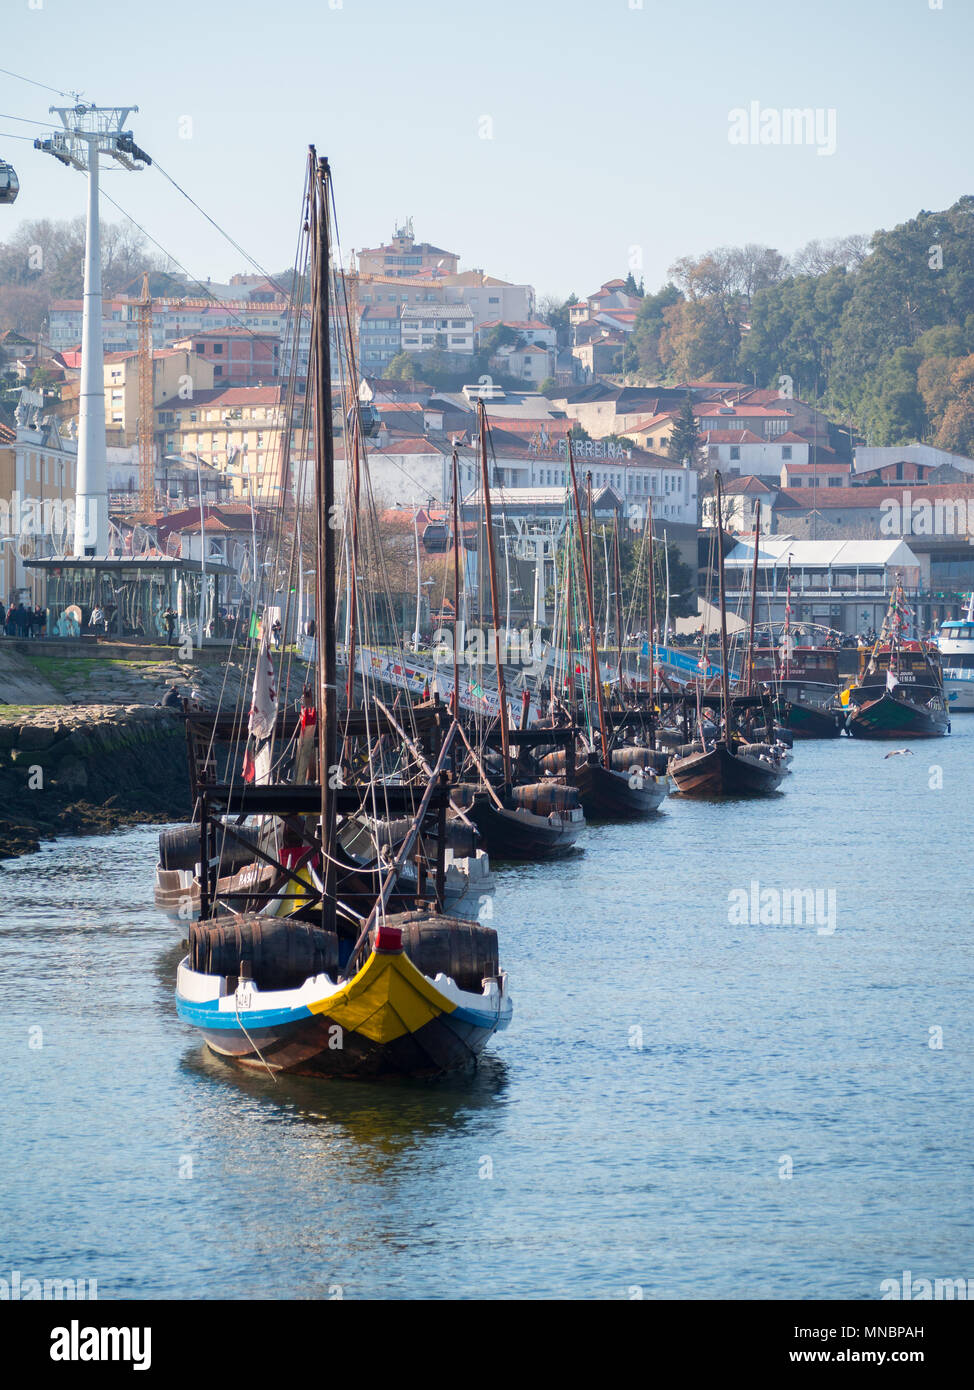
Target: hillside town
(434, 340)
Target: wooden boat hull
(521, 835)
(890, 717)
(719, 772)
(808, 721)
(389, 1020)
(612, 795)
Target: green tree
(683, 445)
(644, 340)
(401, 368)
(918, 276)
(891, 407)
(793, 325)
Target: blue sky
(609, 122)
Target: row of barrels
(278, 954)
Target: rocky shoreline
(86, 769)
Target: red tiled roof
(535, 325)
(710, 408)
(750, 482)
(874, 496)
(227, 395)
(408, 445)
(732, 437)
(212, 523)
(651, 421)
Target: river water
(686, 1105)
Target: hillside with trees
(878, 331)
(44, 260)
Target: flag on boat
(254, 625)
(890, 680)
(263, 708)
(844, 697)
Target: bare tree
(818, 257)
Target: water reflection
(379, 1116)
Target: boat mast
(618, 584)
(724, 680)
(749, 683)
(666, 616)
(320, 181)
(352, 638)
(608, 589)
(595, 676)
(652, 622)
(419, 586)
(787, 662)
(456, 586)
(492, 563)
(571, 600)
(589, 517)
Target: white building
(405, 472)
(741, 451)
(427, 326)
(865, 458)
(839, 584)
(636, 476)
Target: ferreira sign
(543, 446)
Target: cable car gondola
(435, 538)
(9, 183)
(371, 420)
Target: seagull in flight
(900, 753)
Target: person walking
(169, 618)
(3, 618)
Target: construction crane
(147, 467)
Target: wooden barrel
(466, 951)
(180, 848)
(686, 750)
(276, 954)
(632, 756)
(544, 797)
(460, 837)
(553, 761)
(462, 793)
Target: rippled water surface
(665, 1068)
